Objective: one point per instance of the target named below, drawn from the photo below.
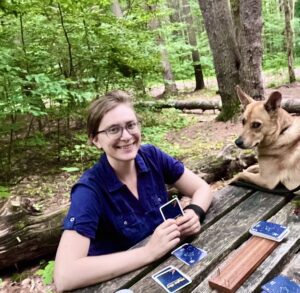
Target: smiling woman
(115, 204)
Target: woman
(115, 204)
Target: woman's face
(120, 135)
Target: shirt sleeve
(171, 168)
(84, 212)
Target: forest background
(56, 56)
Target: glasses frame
(138, 125)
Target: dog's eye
(255, 124)
(244, 121)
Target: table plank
(224, 201)
(274, 262)
(292, 270)
(220, 239)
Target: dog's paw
(253, 169)
(234, 178)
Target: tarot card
(161, 271)
(171, 209)
(172, 279)
(281, 284)
(189, 254)
(269, 230)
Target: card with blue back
(171, 210)
(189, 254)
(269, 230)
(171, 279)
(281, 284)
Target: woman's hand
(189, 223)
(165, 237)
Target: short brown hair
(103, 104)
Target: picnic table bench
(234, 210)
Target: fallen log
(28, 234)
(229, 161)
(182, 105)
(290, 105)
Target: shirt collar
(110, 178)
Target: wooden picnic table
(234, 210)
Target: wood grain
(242, 263)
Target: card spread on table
(269, 230)
(171, 279)
(281, 284)
(161, 271)
(171, 209)
(189, 253)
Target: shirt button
(159, 199)
(72, 219)
(125, 223)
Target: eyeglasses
(116, 131)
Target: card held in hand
(171, 279)
(189, 254)
(281, 284)
(171, 209)
(269, 230)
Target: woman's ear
(95, 141)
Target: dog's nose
(239, 142)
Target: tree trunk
(169, 81)
(250, 46)
(235, 40)
(116, 9)
(289, 38)
(220, 31)
(192, 39)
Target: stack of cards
(269, 230)
(171, 209)
(281, 284)
(171, 279)
(189, 254)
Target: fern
(47, 273)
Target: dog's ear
(273, 102)
(244, 98)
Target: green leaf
(4, 192)
(70, 169)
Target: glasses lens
(114, 131)
(133, 127)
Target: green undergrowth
(157, 125)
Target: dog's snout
(239, 142)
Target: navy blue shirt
(104, 210)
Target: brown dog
(276, 134)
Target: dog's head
(259, 119)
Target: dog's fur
(276, 134)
